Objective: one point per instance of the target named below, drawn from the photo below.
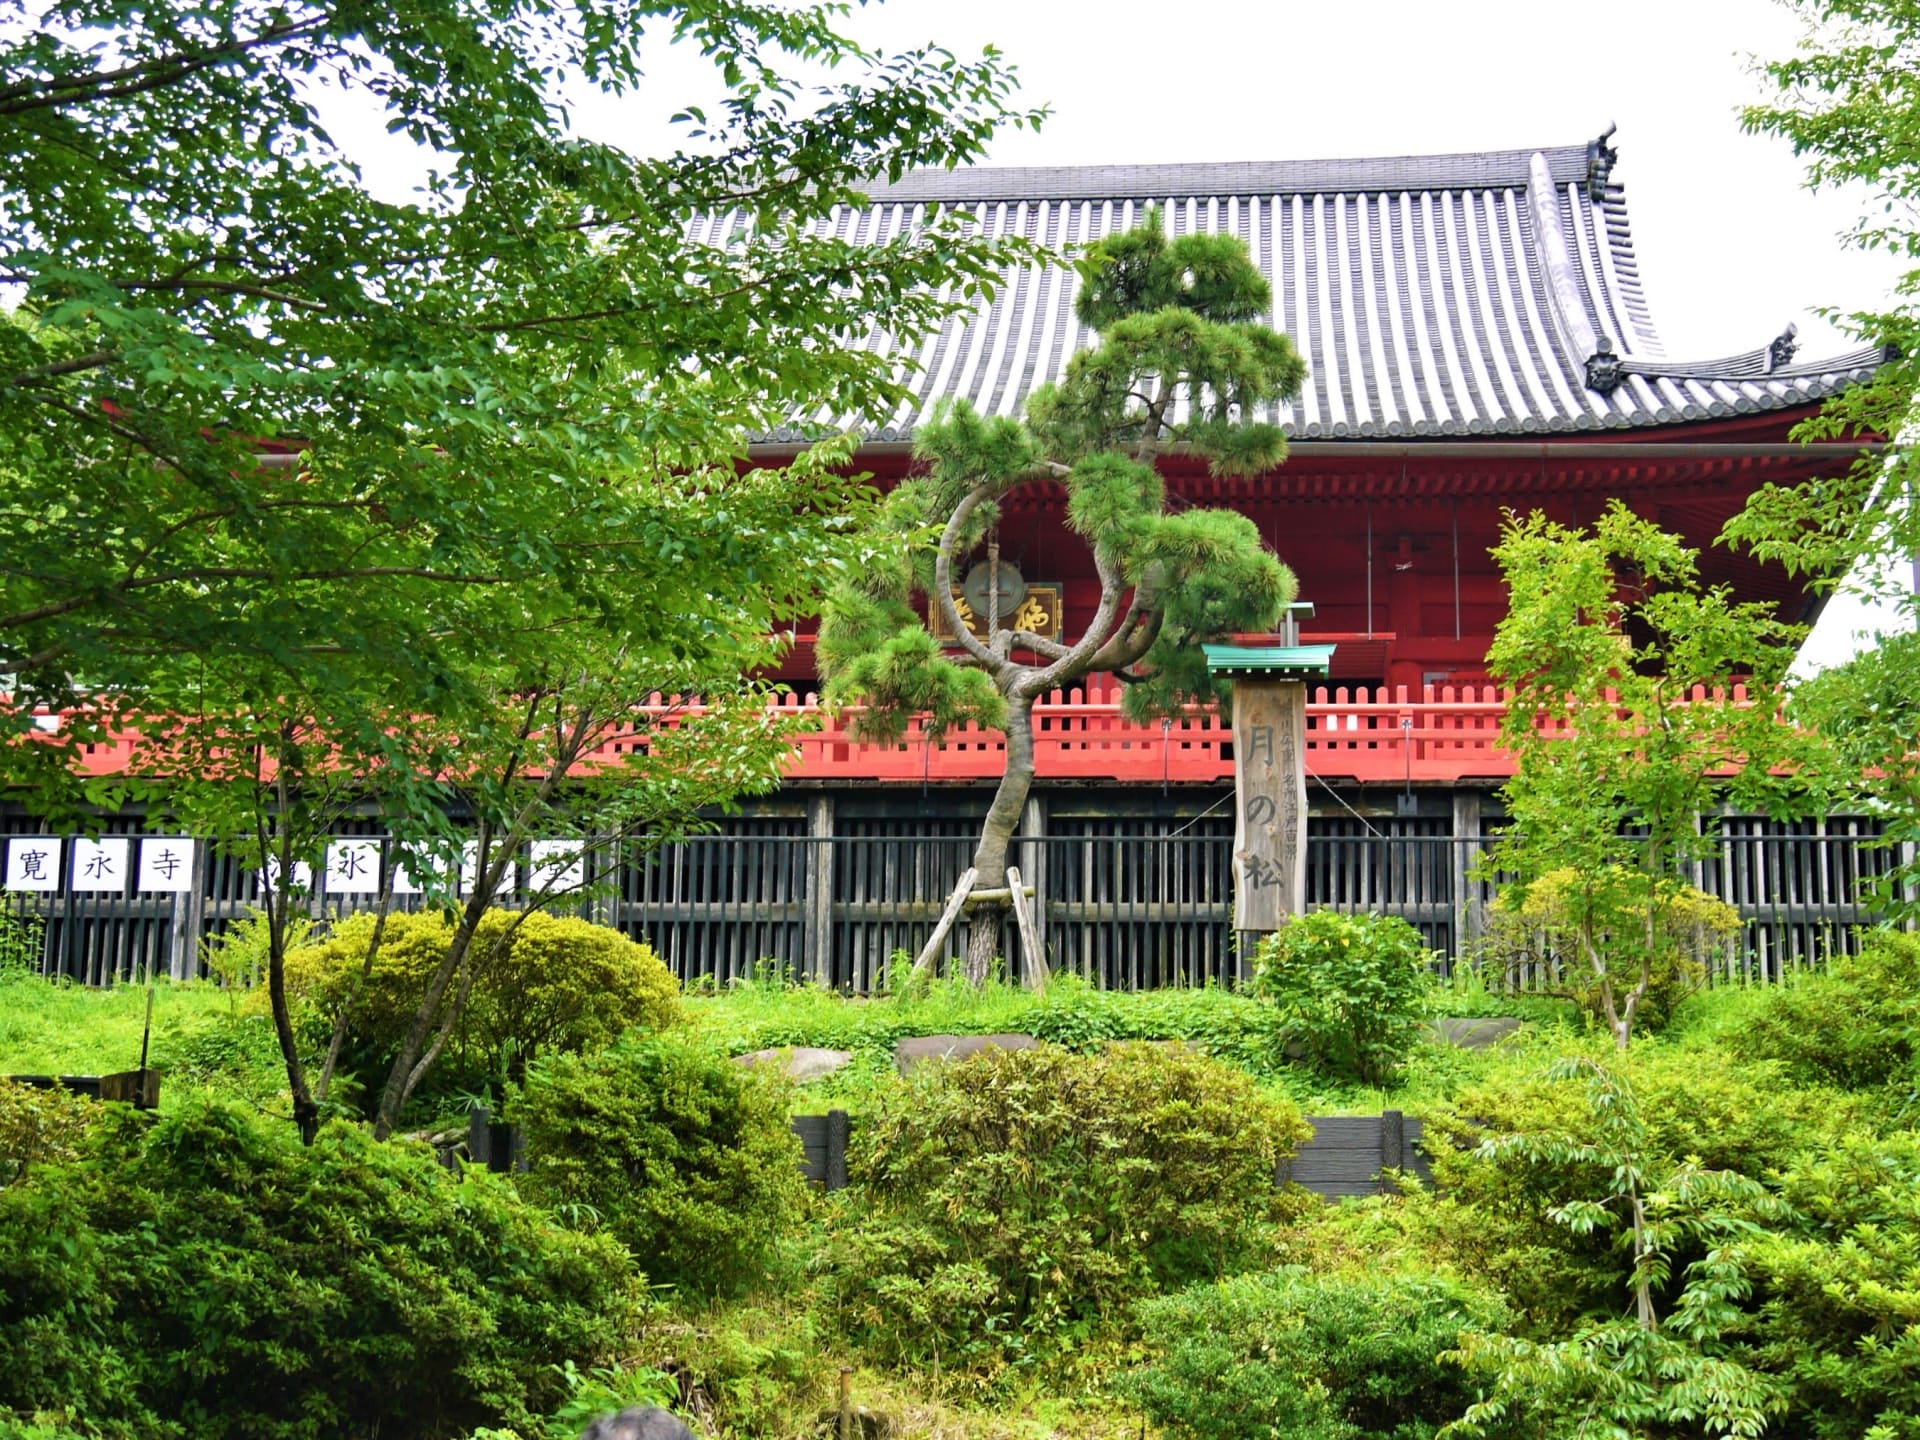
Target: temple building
(1478, 341)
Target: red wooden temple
(1477, 340)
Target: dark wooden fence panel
(1125, 901)
(1348, 1154)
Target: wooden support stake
(931, 953)
(1002, 896)
(1036, 954)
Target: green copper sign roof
(1282, 662)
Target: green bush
(1839, 1287)
(203, 1275)
(38, 1126)
(1351, 990)
(1543, 927)
(1333, 1357)
(561, 985)
(1005, 1205)
(1746, 1119)
(238, 1055)
(683, 1156)
(1857, 1026)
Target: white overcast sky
(1731, 245)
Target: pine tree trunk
(987, 922)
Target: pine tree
(1185, 360)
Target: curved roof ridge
(1432, 295)
(1464, 171)
(1761, 361)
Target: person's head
(638, 1422)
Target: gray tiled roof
(1443, 295)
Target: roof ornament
(1600, 158)
(1780, 352)
(1605, 369)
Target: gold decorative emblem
(1039, 612)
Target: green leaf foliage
(1679, 1226)
(1537, 930)
(1185, 360)
(1351, 990)
(1625, 729)
(1546, 1165)
(513, 395)
(1311, 1357)
(1839, 1288)
(541, 983)
(1855, 1026)
(681, 1155)
(1009, 1204)
(38, 1127)
(206, 1275)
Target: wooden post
(819, 922)
(930, 955)
(1033, 829)
(1469, 915)
(1393, 1145)
(1034, 951)
(1270, 791)
(838, 1127)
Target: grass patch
(50, 1027)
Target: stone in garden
(909, 1053)
(1474, 1034)
(802, 1062)
(638, 1423)
(867, 1424)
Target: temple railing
(1380, 734)
(1363, 734)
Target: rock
(909, 1053)
(802, 1063)
(1473, 1034)
(867, 1424)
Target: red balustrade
(1358, 734)
(1380, 735)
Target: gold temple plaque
(1040, 612)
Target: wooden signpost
(1270, 772)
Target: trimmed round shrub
(1310, 1357)
(681, 1155)
(1012, 1202)
(203, 1275)
(1350, 990)
(1538, 928)
(38, 1127)
(1857, 1026)
(563, 984)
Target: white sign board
(166, 863)
(302, 877)
(470, 871)
(556, 867)
(353, 867)
(33, 862)
(101, 864)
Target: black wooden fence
(1126, 904)
(1347, 1155)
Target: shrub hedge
(203, 1275)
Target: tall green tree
(246, 406)
(1849, 103)
(1627, 734)
(1185, 359)
(339, 501)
